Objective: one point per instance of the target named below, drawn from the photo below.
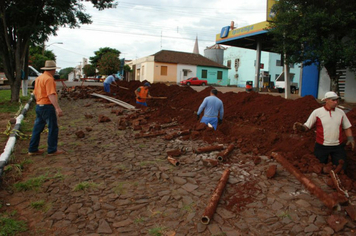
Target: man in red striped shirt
(330, 121)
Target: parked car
(194, 81)
(32, 75)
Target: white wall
(350, 88)
(180, 74)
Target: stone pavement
(134, 190)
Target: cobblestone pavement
(111, 183)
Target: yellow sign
(270, 14)
(243, 31)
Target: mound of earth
(255, 123)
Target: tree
(33, 21)
(316, 32)
(89, 70)
(37, 59)
(100, 53)
(109, 64)
(63, 73)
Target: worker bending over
(109, 80)
(212, 106)
(142, 93)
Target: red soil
(253, 122)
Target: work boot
(39, 152)
(58, 152)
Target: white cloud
(142, 28)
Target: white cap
(331, 95)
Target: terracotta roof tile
(175, 57)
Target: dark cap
(147, 84)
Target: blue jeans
(210, 120)
(107, 87)
(45, 114)
(142, 103)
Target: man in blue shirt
(212, 106)
(110, 79)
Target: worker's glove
(299, 126)
(220, 121)
(350, 140)
(138, 97)
(198, 117)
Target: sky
(141, 28)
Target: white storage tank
(215, 53)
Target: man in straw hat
(329, 121)
(47, 111)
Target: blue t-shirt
(109, 79)
(212, 106)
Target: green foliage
(109, 64)
(127, 68)
(64, 72)
(30, 184)
(85, 185)
(6, 106)
(89, 70)
(316, 32)
(10, 226)
(31, 22)
(157, 231)
(38, 204)
(37, 57)
(100, 53)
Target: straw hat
(50, 65)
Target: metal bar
(214, 200)
(327, 199)
(209, 148)
(222, 155)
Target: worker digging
(265, 175)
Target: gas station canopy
(246, 37)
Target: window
(204, 74)
(164, 70)
(291, 66)
(185, 72)
(229, 63)
(143, 71)
(278, 63)
(220, 75)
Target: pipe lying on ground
(210, 162)
(328, 200)
(173, 161)
(117, 101)
(337, 183)
(214, 200)
(10, 144)
(150, 134)
(177, 152)
(222, 155)
(209, 148)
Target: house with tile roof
(173, 67)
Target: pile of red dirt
(254, 122)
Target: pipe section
(209, 149)
(327, 199)
(222, 155)
(214, 200)
(173, 161)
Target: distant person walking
(142, 93)
(47, 111)
(108, 81)
(212, 106)
(329, 121)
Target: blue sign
(224, 32)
